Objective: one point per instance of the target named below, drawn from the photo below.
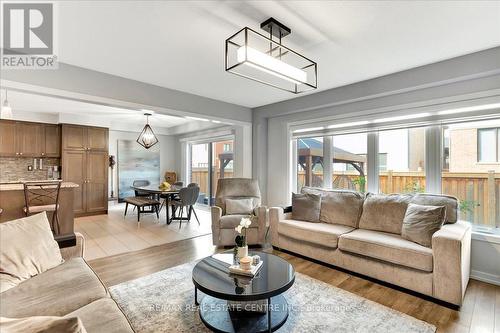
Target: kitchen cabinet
(85, 162)
(27, 139)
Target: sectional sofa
(71, 289)
(362, 233)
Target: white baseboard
(485, 277)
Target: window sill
(490, 236)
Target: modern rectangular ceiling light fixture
(264, 59)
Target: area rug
(164, 302)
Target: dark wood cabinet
(8, 138)
(27, 139)
(85, 162)
(73, 171)
(51, 144)
(97, 138)
(97, 181)
(74, 137)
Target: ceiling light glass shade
(147, 138)
(259, 58)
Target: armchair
(223, 232)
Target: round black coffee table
(261, 293)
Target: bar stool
(43, 197)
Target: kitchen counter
(12, 203)
(14, 186)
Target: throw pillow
(41, 324)
(239, 206)
(421, 222)
(28, 248)
(306, 207)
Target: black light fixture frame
(278, 30)
(147, 129)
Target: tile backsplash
(16, 169)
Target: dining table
(156, 191)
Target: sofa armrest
(276, 214)
(451, 247)
(216, 213)
(261, 213)
(74, 251)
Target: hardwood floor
(113, 233)
(480, 312)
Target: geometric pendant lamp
(147, 138)
(266, 60)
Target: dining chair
(193, 184)
(187, 199)
(140, 183)
(43, 197)
(139, 193)
(165, 197)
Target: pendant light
(6, 112)
(266, 60)
(147, 138)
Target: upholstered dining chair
(187, 199)
(237, 198)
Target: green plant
(360, 182)
(468, 206)
(414, 187)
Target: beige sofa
(71, 289)
(363, 234)
(223, 233)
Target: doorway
(209, 162)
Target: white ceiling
(180, 44)
(26, 106)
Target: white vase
(242, 251)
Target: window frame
(496, 141)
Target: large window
(469, 164)
(349, 161)
(472, 172)
(404, 151)
(309, 162)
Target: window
(210, 162)
(476, 185)
(404, 151)
(469, 163)
(309, 162)
(488, 145)
(349, 161)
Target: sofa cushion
(383, 212)
(339, 206)
(39, 324)
(55, 292)
(306, 206)
(239, 206)
(28, 248)
(387, 247)
(232, 221)
(421, 222)
(324, 234)
(102, 315)
(451, 204)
